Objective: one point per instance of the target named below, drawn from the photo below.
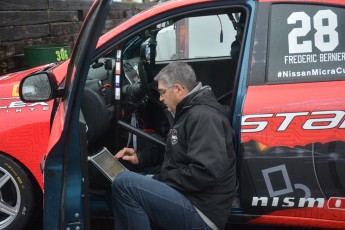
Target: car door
(293, 118)
(67, 208)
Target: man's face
(171, 96)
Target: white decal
(305, 46)
(326, 30)
(293, 202)
(260, 125)
(288, 118)
(316, 120)
(333, 122)
(326, 38)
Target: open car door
(66, 208)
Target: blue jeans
(138, 200)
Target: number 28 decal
(326, 38)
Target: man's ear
(179, 88)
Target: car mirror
(38, 87)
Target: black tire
(20, 199)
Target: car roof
(174, 4)
(153, 11)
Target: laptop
(107, 164)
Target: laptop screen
(107, 164)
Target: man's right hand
(128, 154)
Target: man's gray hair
(177, 72)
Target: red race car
(278, 65)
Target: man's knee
(120, 181)
(127, 179)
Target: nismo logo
(293, 202)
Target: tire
(20, 199)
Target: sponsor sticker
(15, 91)
(306, 44)
(174, 138)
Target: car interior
(135, 117)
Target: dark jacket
(199, 160)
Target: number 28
(323, 31)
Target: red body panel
(302, 100)
(25, 127)
(322, 106)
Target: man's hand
(128, 154)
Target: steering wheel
(150, 89)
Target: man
(197, 182)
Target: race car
(278, 65)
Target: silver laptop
(107, 164)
